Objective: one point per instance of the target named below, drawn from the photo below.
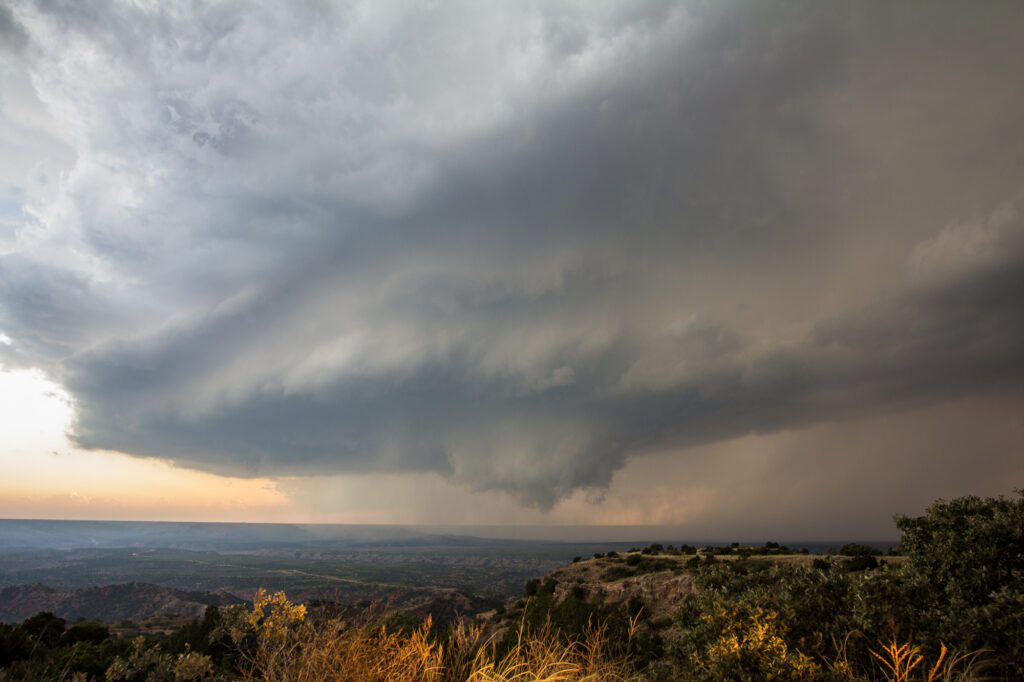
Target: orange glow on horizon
(43, 476)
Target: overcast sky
(739, 267)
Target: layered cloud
(513, 245)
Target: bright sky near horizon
(753, 269)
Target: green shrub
(854, 549)
(616, 572)
(969, 556)
(89, 631)
(652, 565)
(90, 658)
(44, 628)
(635, 606)
(861, 562)
(14, 645)
(741, 641)
(807, 609)
(961, 587)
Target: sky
(744, 269)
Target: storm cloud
(517, 244)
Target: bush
(969, 557)
(14, 645)
(968, 548)
(635, 606)
(617, 572)
(652, 565)
(854, 549)
(861, 562)
(89, 631)
(804, 608)
(741, 642)
(572, 619)
(44, 628)
(962, 587)
(92, 659)
(146, 661)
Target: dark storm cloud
(952, 328)
(513, 245)
(942, 335)
(11, 36)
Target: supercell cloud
(514, 244)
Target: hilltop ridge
(108, 603)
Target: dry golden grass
(902, 662)
(277, 644)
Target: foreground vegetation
(953, 609)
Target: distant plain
(339, 562)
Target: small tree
(969, 553)
(44, 628)
(856, 549)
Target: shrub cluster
(44, 647)
(573, 619)
(961, 591)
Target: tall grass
(904, 662)
(276, 643)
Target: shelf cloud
(515, 245)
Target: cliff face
(648, 588)
(661, 591)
